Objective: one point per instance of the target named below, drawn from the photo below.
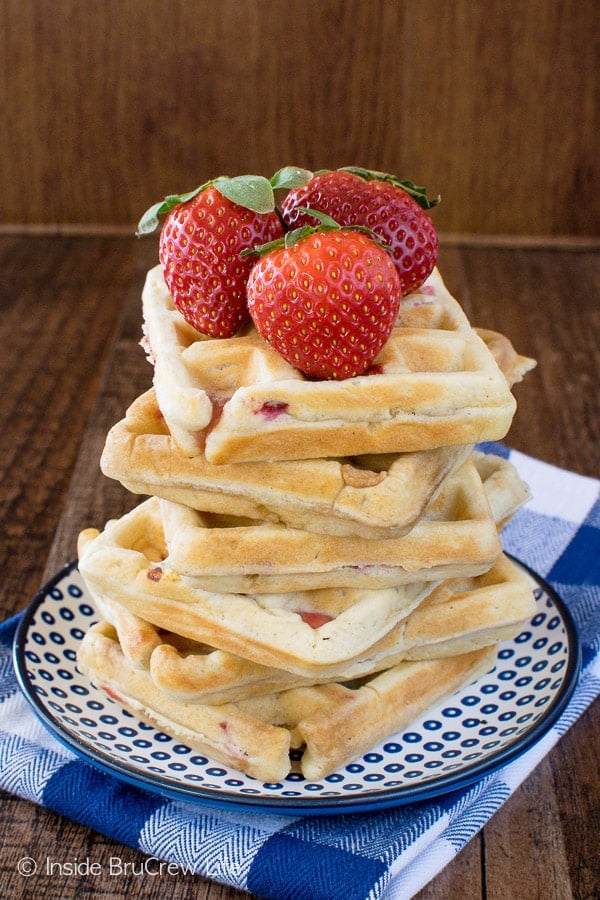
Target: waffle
(458, 616)
(505, 490)
(457, 535)
(301, 631)
(513, 365)
(298, 630)
(377, 496)
(434, 384)
(334, 723)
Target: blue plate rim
(352, 803)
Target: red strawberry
(327, 303)
(380, 202)
(200, 245)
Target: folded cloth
(390, 853)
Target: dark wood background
(107, 105)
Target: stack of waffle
(317, 562)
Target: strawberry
(393, 209)
(200, 244)
(327, 302)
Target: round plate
(482, 727)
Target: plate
(479, 729)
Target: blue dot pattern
(471, 730)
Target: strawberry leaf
(417, 192)
(290, 177)
(262, 249)
(326, 223)
(250, 191)
(297, 234)
(325, 220)
(150, 220)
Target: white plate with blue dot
(479, 729)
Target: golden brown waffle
(457, 535)
(459, 616)
(300, 631)
(334, 723)
(376, 496)
(434, 384)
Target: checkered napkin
(389, 853)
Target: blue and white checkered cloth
(390, 853)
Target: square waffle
(334, 723)
(457, 535)
(435, 383)
(376, 496)
(301, 631)
(458, 616)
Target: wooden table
(70, 363)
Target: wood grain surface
(108, 105)
(70, 363)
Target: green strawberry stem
(253, 192)
(256, 193)
(417, 192)
(150, 220)
(326, 223)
